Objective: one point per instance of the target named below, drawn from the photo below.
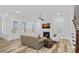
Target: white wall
(65, 26)
(29, 13)
(7, 28)
(76, 13)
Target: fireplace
(46, 34)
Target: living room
(54, 22)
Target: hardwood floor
(15, 46)
(8, 46)
(2, 40)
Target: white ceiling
(33, 11)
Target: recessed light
(58, 14)
(17, 11)
(6, 14)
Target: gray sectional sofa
(33, 42)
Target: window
(14, 28)
(24, 27)
(33, 27)
(28, 27)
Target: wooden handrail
(74, 24)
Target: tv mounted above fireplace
(46, 26)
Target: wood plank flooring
(8, 46)
(15, 46)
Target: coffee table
(48, 43)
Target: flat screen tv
(46, 26)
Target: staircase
(77, 26)
(76, 23)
